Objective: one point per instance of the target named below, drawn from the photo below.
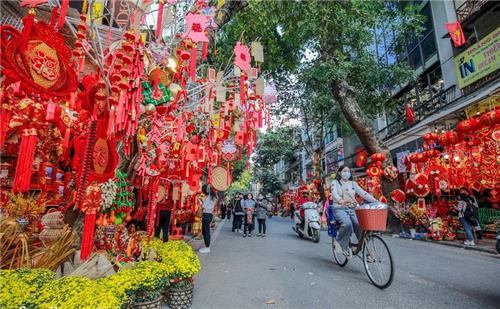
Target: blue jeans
(467, 228)
(348, 223)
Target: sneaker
(259, 235)
(249, 235)
(338, 248)
(244, 235)
(204, 250)
(263, 235)
(469, 243)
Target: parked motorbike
(309, 226)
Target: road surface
(284, 271)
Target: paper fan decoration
(220, 179)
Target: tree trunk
(344, 94)
(316, 163)
(228, 10)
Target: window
(414, 59)
(428, 46)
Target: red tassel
(192, 67)
(4, 122)
(54, 15)
(204, 51)
(62, 13)
(159, 23)
(28, 21)
(22, 178)
(88, 236)
(242, 89)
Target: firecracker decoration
(90, 207)
(109, 191)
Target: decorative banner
(478, 60)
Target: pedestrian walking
(223, 208)
(229, 210)
(249, 208)
(261, 209)
(208, 208)
(467, 209)
(238, 212)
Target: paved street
(283, 271)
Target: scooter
(309, 226)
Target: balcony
(421, 110)
(467, 8)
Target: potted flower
(180, 294)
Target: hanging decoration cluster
(100, 126)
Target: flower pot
(152, 304)
(180, 297)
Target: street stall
(465, 158)
(96, 133)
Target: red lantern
(490, 118)
(374, 171)
(449, 138)
(378, 157)
(418, 157)
(432, 153)
(429, 137)
(468, 125)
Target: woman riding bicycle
(344, 191)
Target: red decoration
(491, 118)
(410, 116)
(449, 138)
(398, 196)
(468, 125)
(242, 57)
(361, 157)
(456, 33)
(43, 66)
(374, 171)
(90, 207)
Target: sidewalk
(197, 242)
(484, 245)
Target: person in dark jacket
(164, 212)
(261, 209)
(237, 213)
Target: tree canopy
(321, 53)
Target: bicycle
(376, 256)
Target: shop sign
(479, 60)
(483, 106)
(331, 161)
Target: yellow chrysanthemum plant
(143, 281)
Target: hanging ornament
(90, 207)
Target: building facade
(453, 83)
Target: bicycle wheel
(339, 257)
(378, 261)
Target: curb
(472, 248)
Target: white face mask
(345, 175)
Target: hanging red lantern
(490, 118)
(432, 153)
(378, 157)
(418, 157)
(429, 137)
(391, 172)
(449, 138)
(468, 125)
